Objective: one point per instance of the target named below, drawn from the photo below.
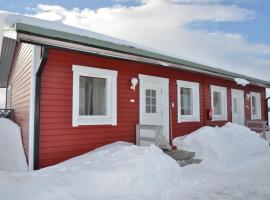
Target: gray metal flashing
(6, 57)
(129, 50)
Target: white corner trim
(34, 68)
(111, 89)
(195, 86)
(224, 103)
(258, 106)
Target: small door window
(151, 101)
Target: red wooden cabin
(72, 93)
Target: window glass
(150, 101)
(92, 96)
(254, 107)
(234, 105)
(186, 101)
(217, 103)
(8, 100)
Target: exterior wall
(60, 141)
(20, 81)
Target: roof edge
(107, 45)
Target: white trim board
(36, 50)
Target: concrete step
(180, 154)
(182, 157)
(183, 163)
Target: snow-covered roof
(59, 31)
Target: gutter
(113, 54)
(37, 107)
(34, 34)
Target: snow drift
(12, 155)
(225, 146)
(119, 169)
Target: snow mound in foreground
(12, 157)
(119, 169)
(225, 146)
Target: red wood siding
(20, 80)
(60, 141)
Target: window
(94, 96)
(151, 101)
(188, 101)
(255, 101)
(219, 103)
(8, 97)
(235, 109)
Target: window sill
(99, 120)
(219, 119)
(256, 118)
(182, 119)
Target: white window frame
(195, 117)
(111, 93)
(224, 102)
(258, 105)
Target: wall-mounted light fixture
(134, 82)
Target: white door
(238, 107)
(154, 102)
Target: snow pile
(241, 81)
(225, 146)
(12, 157)
(119, 169)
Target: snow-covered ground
(224, 147)
(117, 171)
(124, 171)
(12, 157)
(236, 164)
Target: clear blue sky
(255, 30)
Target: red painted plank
(60, 141)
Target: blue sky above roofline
(255, 30)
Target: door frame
(165, 99)
(242, 107)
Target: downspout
(6, 99)
(267, 110)
(203, 100)
(37, 107)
